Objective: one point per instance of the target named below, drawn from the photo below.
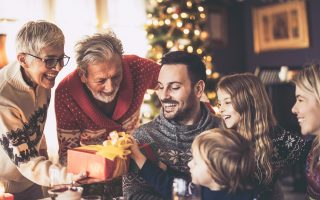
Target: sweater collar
(125, 93)
(188, 132)
(15, 77)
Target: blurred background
(271, 38)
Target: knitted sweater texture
(23, 113)
(79, 120)
(172, 144)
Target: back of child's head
(36, 35)
(229, 158)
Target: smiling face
(179, 99)
(104, 78)
(307, 110)
(36, 70)
(229, 115)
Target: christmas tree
(179, 25)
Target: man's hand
(136, 154)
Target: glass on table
(183, 190)
(91, 197)
(118, 198)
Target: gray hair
(35, 35)
(97, 48)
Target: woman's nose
(294, 109)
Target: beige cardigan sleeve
(21, 143)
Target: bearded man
(103, 94)
(183, 116)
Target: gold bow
(111, 149)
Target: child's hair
(308, 80)
(229, 158)
(249, 98)
(36, 35)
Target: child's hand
(136, 154)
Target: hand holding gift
(136, 154)
(140, 153)
(105, 161)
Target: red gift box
(96, 166)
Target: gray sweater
(172, 145)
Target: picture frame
(280, 26)
(217, 26)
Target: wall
(230, 58)
(239, 56)
(295, 57)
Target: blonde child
(223, 163)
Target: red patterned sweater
(80, 122)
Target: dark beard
(186, 113)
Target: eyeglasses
(52, 62)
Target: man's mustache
(169, 101)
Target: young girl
(223, 163)
(245, 107)
(307, 109)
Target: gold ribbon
(110, 150)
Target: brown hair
(228, 156)
(249, 98)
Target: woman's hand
(80, 176)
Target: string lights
(178, 25)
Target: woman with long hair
(245, 107)
(307, 110)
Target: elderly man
(103, 94)
(183, 116)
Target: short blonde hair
(229, 158)
(36, 35)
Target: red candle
(6, 196)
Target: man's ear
(82, 75)
(22, 60)
(199, 88)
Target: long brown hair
(308, 80)
(249, 98)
